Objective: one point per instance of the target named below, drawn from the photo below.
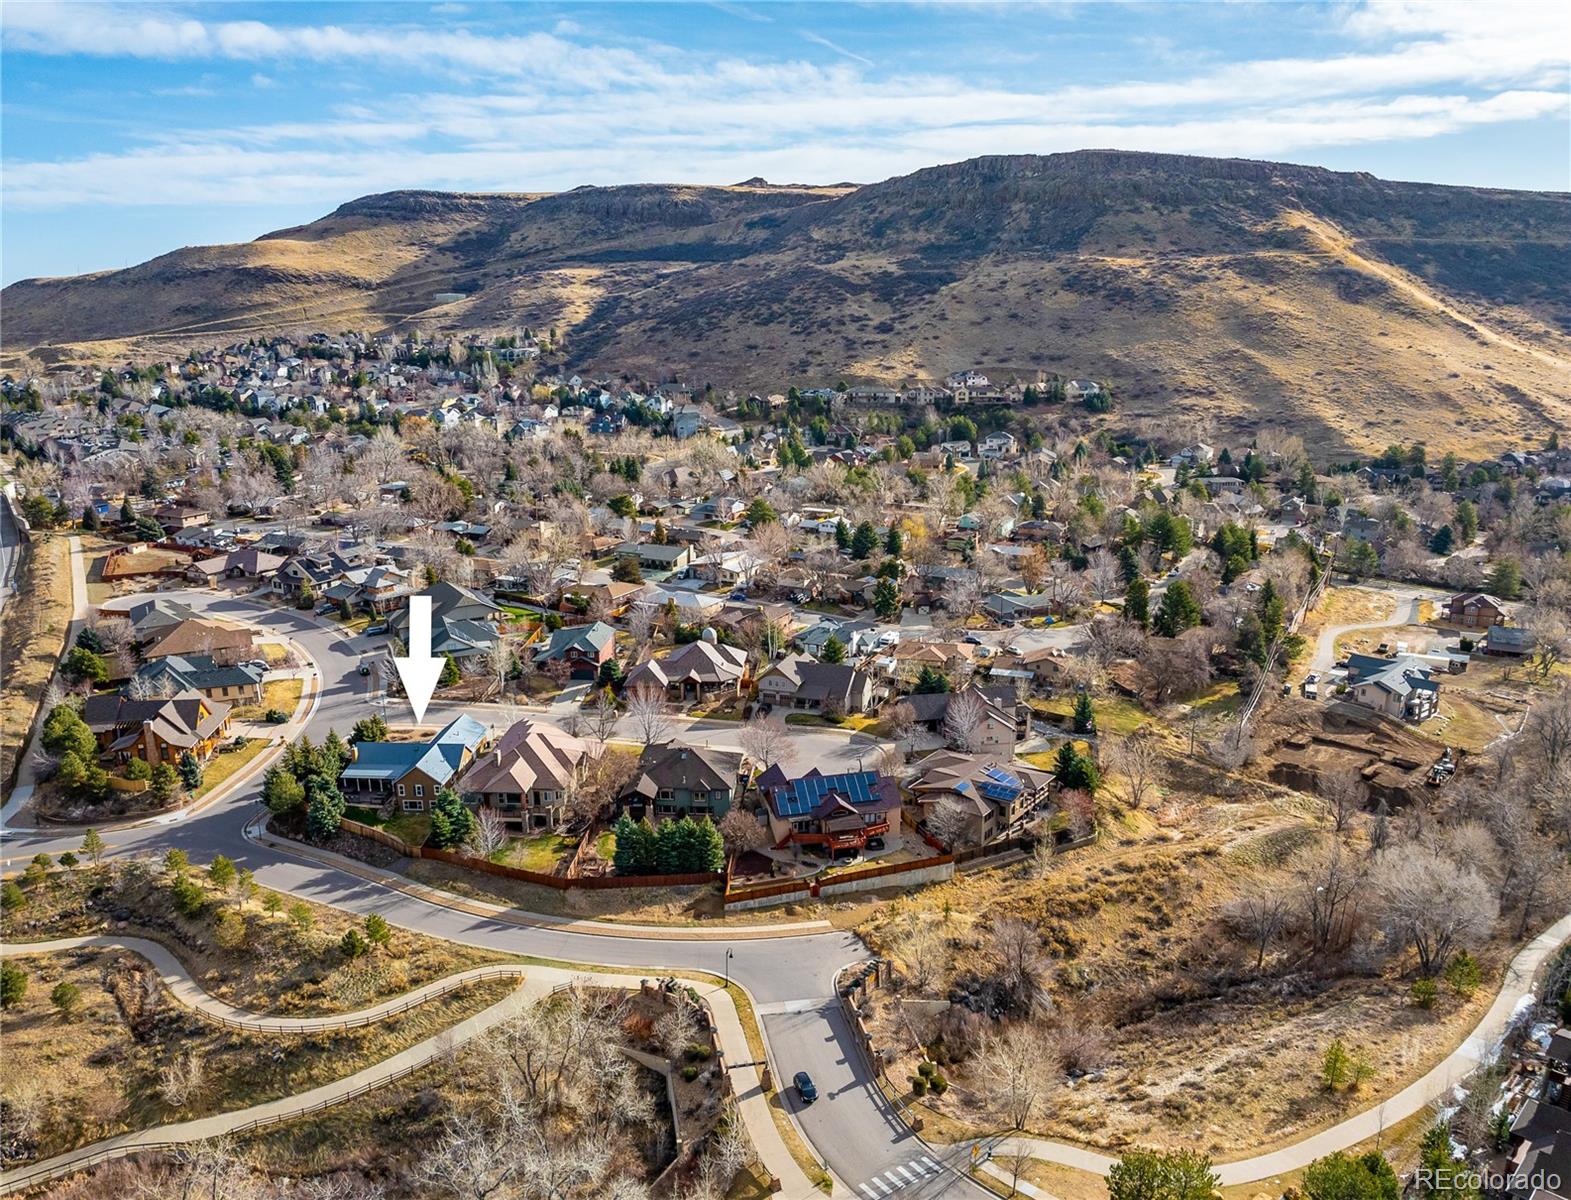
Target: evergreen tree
(894, 542)
(166, 780)
(83, 664)
(635, 846)
(222, 872)
(450, 674)
(1466, 521)
(1128, 564)
(1505, 580)
(127, 513)
(65, 732)
(1085, 716)
(1137, 602)
(930, 681)
(451, 820)
(369, 729)
(1359, 559)
(886, 600)
(190, 771)
(1178, 611)
(1075, 771)
(842, 534)
(281, 791)
(88, 639)
(335, 754)
(834, 650)
(864, 541)
(1154, 1175)
(1443, 541)
(324, 807)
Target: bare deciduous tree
(487, 835)
(649, 714)
(1135, 760)
(1258, 918)
(766, 743)
(1014, 1068)
(1021, 966)
(1344, 793)
(1433, 903)
(965, 719)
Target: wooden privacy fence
(816, 885)
(561, 883)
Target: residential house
(1509, 641)
(180, 516)
(150, 618)
(1017, 606)
(729, 568)
(1403, 687)
(676, 781)
(799, 681)
(697, 671)
(463, 622)
(1474, 610)
(224, 644)
(251, 565)
(657, 556)
(989, 794)
(175, 673)
(583, 647)
(156, 731)
(831, 814)
(527, 778)
(998, 444)
(409, 774)
(992, 716)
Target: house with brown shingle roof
(156, 731)
(695, 671)
(224, 644)
(526, 777)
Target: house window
(414, 805)
(420, 789)
(665, 793)
(400, 789)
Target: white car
(1014, 648)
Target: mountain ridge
(1254, 290)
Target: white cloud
(555, 113)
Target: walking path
(26, 779)
(1479, 1047)
(539, 982)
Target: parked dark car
(875, 843)
(373, 630)
(804, 1087)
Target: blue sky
(130, 129)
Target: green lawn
(282, 694)
(225, 763)
(412, 828)
(605, 846)
(542, 852)
(1114, 714)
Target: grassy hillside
(1351, 309)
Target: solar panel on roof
(801, 796)
(999, 784)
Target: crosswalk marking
(897, 1177)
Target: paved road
(536, 981)
(790, 978)
(10, 548)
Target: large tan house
(527, 777)
(156, 731)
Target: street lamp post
(728, 966)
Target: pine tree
(451, 820)
(1178, 611)
(834, 650)
(635, 846)
(190, 771)
(450, 674)
(1085, 717)
(1137, 603)
(864, 541)
(886, 600)
(842, 535)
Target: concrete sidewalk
(539, 982)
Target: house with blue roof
(833, 814)
(237, 682)
(408, 775)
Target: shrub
(1424, 993)
(188, 896)
(276, 716)
(690, 1072)
(65, 997)
(300, 916)
(927, 1070)
(939, 1084)
(377, 931)
(698, 1052)
(222, 871)
(138, 770)
(1463, 975)
(68, 859)
(176, 862)
(353, 944)
(919, 1085)
(13, 984)
(12, 897)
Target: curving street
(788, 971)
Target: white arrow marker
(419, 671)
